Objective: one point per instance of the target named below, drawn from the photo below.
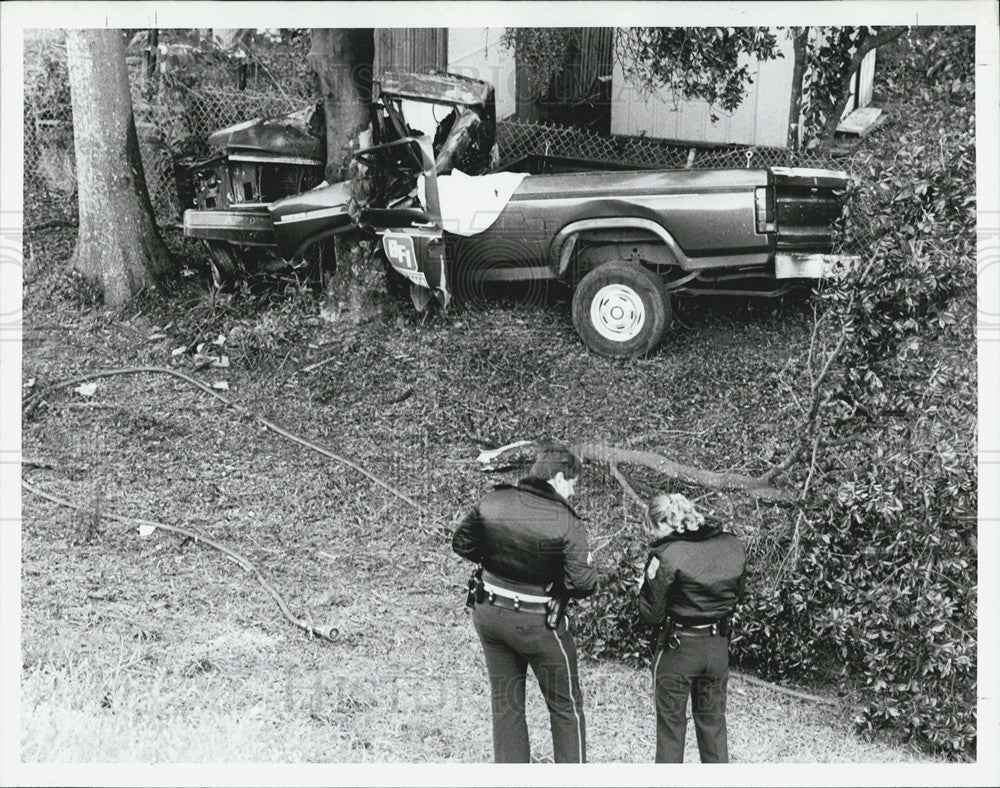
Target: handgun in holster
(668, 637)
(555, 609)
(476, 593)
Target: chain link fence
(517, 140)
(169, 123)
(179, 121)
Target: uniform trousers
(698, 668)
(512, 640)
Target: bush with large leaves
(882, 590)
(872, 582)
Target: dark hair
(553, 459)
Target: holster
(555, 609)
(475, 593)
(667, 637)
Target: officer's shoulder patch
(590, 559)
(654, 566)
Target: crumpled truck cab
(264, 187)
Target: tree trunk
(866, 45)
(342, 59)
(800, 48)
(119, 248)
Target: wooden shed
(761, 119)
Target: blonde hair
(675, 510)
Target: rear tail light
(764, 203)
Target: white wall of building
(762, 118)
(476, 52)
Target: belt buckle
(517, 602)
(491, 597)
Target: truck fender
(561, 250)
(305, 244)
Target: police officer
(694, 576)
(532, 547)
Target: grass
(160, 650)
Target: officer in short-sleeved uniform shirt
(532, 546)
(694, 580)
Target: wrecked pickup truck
(626, 241)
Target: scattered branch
(812, 466)
(29, 404)
(613, 456)
(626, 486)
(758, 487)
(783, 690)
(243, 562)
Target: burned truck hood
(299, 134)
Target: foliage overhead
(696, 63)
(832, 56)
(542, 51)
(713, 64)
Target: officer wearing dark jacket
(693, 579)
(532, 547)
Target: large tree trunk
(342, 59)
(118, 248)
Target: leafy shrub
(608, 621)
(877, 586)
(883, 585)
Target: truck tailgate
(806, 204)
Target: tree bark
(866, 45)
(800, 40)
(342, 59)
(612, 456)
(118, 248)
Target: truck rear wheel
(621, 309)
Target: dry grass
(161, 650)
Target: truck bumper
(795, 265)
(247, 228)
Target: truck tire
(621, 309)
(397, 285)
(224, 262)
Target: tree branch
(881, 38)
(626, 486)
(330, 635)
(783, 690)
(758, 487)
(613, 456)
(32, 401)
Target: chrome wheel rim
(617, 313)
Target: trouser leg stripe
(569, 678)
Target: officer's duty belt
(511, 600)
(696, 630)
